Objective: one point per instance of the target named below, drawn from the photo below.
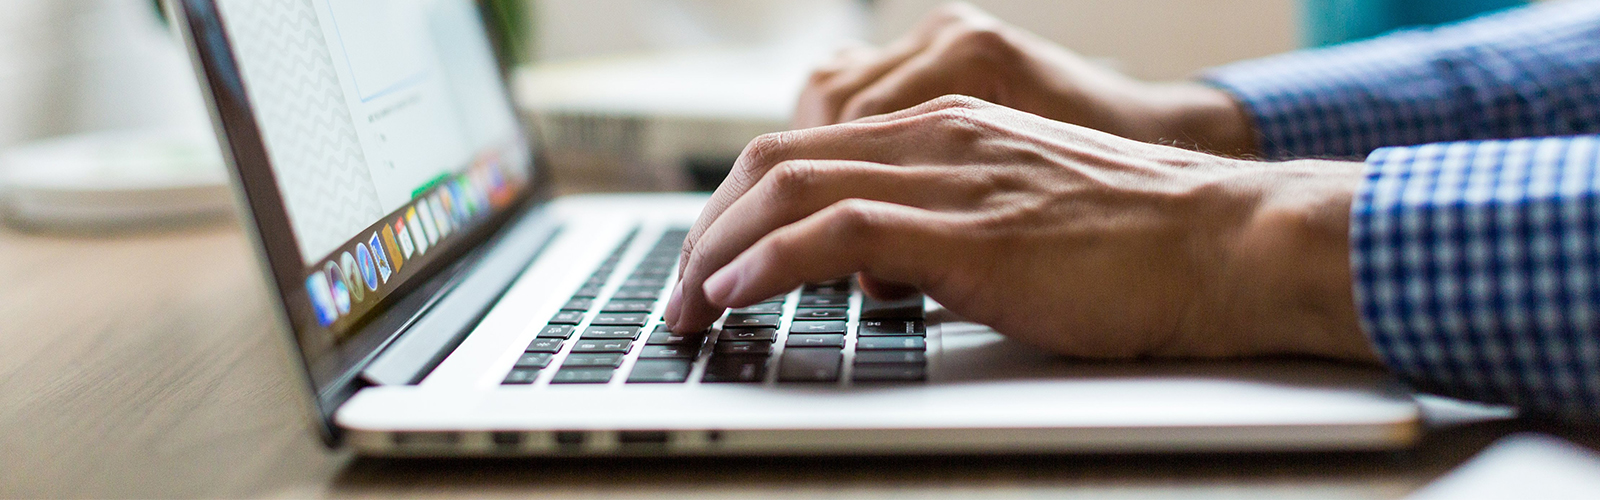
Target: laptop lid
(374, 145)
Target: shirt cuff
(1476, 269)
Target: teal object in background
(1328, 22)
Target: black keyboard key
(602, 346)
(805, 314)
(636, 294)
(890, 357)
(814, 340)
(809, 365)
(534, 360)
(735, 369)
(907, 308)
(556, 332)
(766, 334)
(817, 327)
(669, 352)
(901, 343)
(621, 319)
(663, 336)
(839, 286)
(629, 306)
(660, 371)
(825, 301)
(582, 360)
(583, 376)
(744, 347)
(567, 318)
(544, 345)
(521, 376)
(889, 373)
(751, 321)
(762, 308)
(882, 327)
(610, 332)
(578, 304)
(587, 292)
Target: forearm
(1189, 115)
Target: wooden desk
(146, 365)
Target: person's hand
(1064, 237)
(958, 49)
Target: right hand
(1074, 240)
(958, 49)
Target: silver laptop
(442, 303)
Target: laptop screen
(389, 134)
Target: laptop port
(642, 438)
(506, 439)
(570, 441)
(425, 439)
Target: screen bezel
(335, 377)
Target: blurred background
(626, 94)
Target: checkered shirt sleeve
(1475, 249)
(1530, 72)
(1477, 269)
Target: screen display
(389, 133)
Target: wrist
(1199, 117)
(1287, 283)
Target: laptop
(441, 302)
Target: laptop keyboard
(827, 333)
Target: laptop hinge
(442, 326)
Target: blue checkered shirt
(1475, 237)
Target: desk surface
(146, 365)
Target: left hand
(1067, 238)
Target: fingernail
(673, 303)
(720, 285)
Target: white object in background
(1522, 466)
(130, 70)
(655, 112)
(669, 91)
(581, 29)
(115, 179)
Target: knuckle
(980, 36)
(792, 179)
(986, 49)
(956, 101)
(765, 145)
(958, 125)
(760, 153)
(853, 219)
